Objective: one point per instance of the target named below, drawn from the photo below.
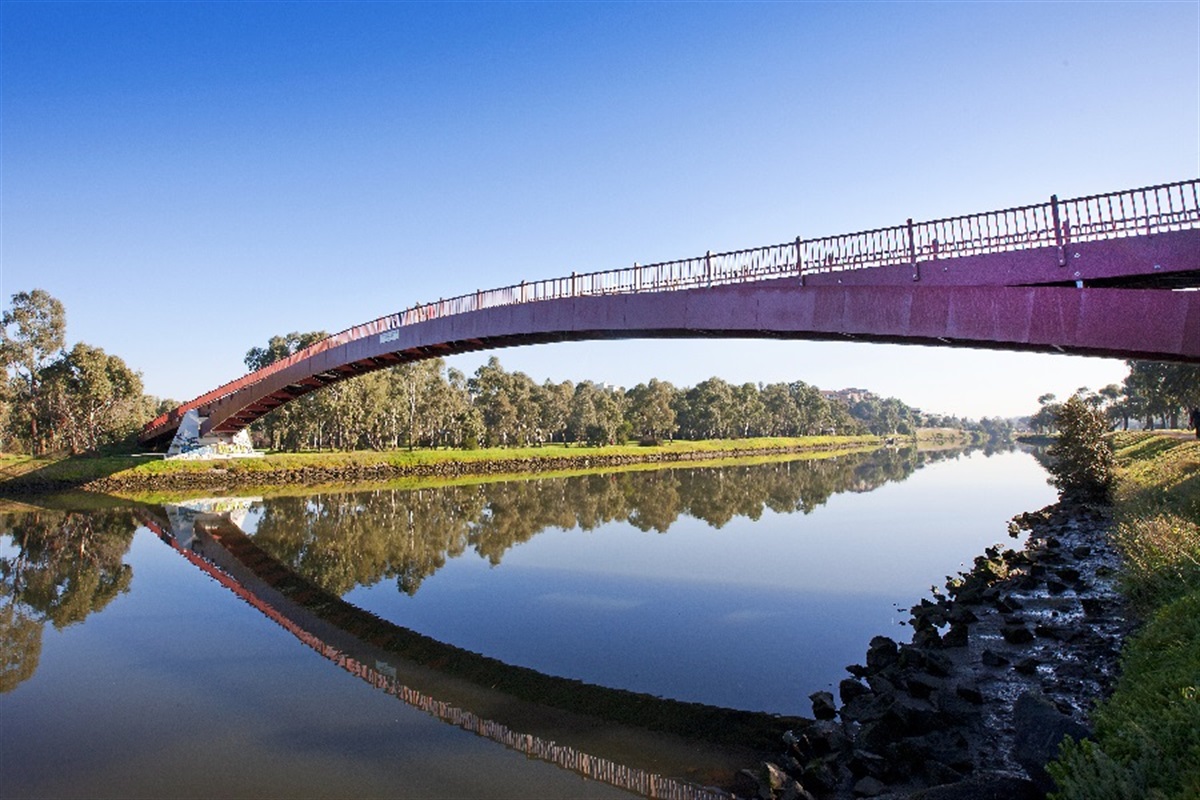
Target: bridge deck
(1091, 275)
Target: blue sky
(192, 178)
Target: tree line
(426, 404)
(1153, 395)
(81, 399)
(57, 399)
(341, 541)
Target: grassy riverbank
(24, 475)
(1147, 735)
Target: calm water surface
(162, 651)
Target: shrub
(1081, 461)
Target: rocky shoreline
(1000, 667)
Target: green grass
(1147, 739)
(24, 474)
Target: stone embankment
(226, 475)
(1003, 665)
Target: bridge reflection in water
(636, 742)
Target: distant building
(847, 396)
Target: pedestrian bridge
(1112, 275)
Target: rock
(1016, 633)
(921, 686)
(864, 762)
(1039, 729)
(1068, 574)
(992, 659)
(881, 654)
(850, 689)
(1092, 606)
(962, 614)
(1027, 665)
(983, 786)
(1050, 632)
(957, 636)
(775, 783)
(881, 685)
(970, 693)
(1007, 605)
(927, 638)
(869, 787)
(822, 705)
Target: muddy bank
(224, 475)
(1000, 667)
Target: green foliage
(340, 540)
(63, 567)
(81, 399)
(1081, 459)
(1158, 517)
(1148, 733)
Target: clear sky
(192, 178)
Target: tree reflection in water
(67, 565)
(344, 540)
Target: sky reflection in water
(755, 614)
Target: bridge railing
(1133, 212)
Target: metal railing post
(800, 259)
(1058, 233)
(912, 252)
(708, 267)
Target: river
(570, 636)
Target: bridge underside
(1116, 322)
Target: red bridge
(1112, 275)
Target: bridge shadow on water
(637, 742)
(633, 741)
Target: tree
(298, 423)
(280, 347)
(91, 399)
(651, 414)
(491, 393)
(1081, 459)
(31, 332)
(1046, 418)
(706, 411)
(554, 409)
(1162, 390)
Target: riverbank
(1017, 653)
(131, 474)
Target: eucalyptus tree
(554, 409)
(293, 425)
(706, 410)
(651, 410)
(416, 404)
(749, 416)
(91, 399)
(815, 414)
(31, 335)
(780, 413)
(490, 393)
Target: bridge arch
(1102, 275)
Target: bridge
(648, 745)
(1114, 274)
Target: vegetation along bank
(1087, 639)
(123, 474)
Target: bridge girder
(1073, 299)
